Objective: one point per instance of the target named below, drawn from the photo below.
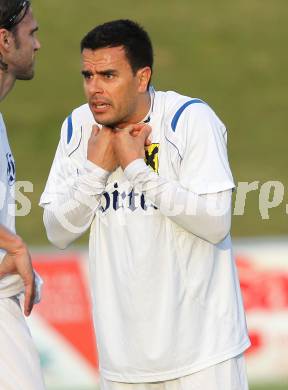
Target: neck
(7, 81)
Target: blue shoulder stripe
(69, 129)
(181, 109)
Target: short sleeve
(204, 167)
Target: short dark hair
(12, 12)
(126, 33)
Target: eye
(87, 75)
(109, 76)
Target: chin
(105, 122)
(25, 75)
(29, 76)
(109, 124)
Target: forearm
(206, 216)
(63, 226)
(69, 215)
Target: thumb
(145, 132)
(95, 130)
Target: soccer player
(19, 361)
(153, 183)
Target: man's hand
(129, 143)
(18, 261)
(100, 148)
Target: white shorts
(228, 375)
(19, 361)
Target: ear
(5, 39)
(144, 76)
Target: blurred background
(232, 55)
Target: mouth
(100, 107)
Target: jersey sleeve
(204, 167)
(63, 172)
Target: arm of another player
(18, 260)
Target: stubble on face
(26, 45)
(121, 119)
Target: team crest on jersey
(151, 156)
(11, 171)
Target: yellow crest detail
(151, 156)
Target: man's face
(22, 56)
(112, 89)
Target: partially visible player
(167, 305)
(19, 361)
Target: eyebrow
(101, 72)
(110, 71)
(86, 73)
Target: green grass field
(270, 387)
(231, 54)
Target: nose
(94, 86)
(37, 44)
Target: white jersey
(12, 284)
(166, 303)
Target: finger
(95, 130)
(139, 126)
(29, 296)
(145, 132)
(108, 131)
(29, 300)
(135, 132)
(129, 129)
(148, 142)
